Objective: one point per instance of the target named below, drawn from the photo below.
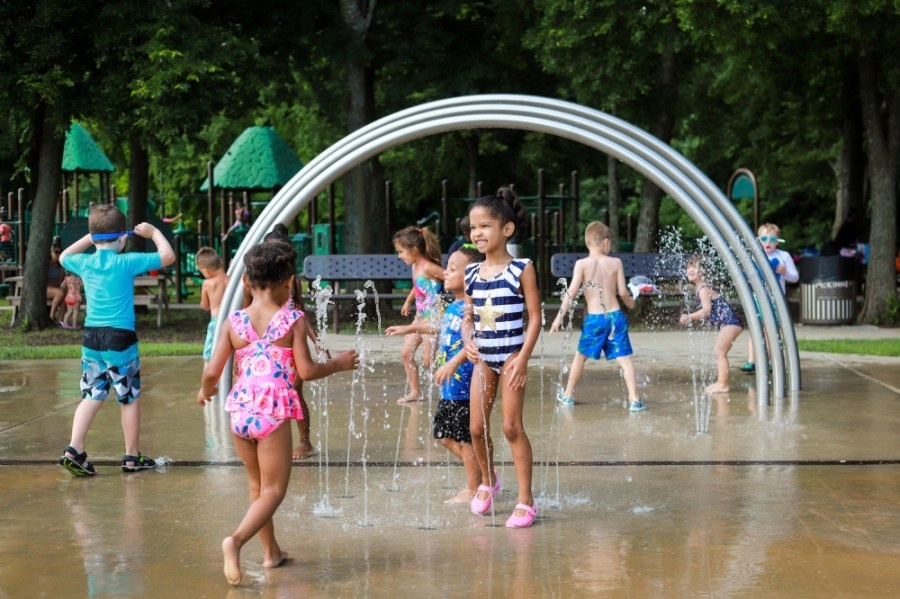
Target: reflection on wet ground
(795, 499)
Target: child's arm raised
(148, 231)
(310, 370)
(77, 247)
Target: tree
(45, 69)
(870, 30)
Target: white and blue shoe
(637, 406)
(566, 400)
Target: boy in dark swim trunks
(605, 328)
(109, 353)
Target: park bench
(340, 269)
(148, 291)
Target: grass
(866, 347)
(183, 332)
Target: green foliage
(891, 315)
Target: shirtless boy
(605, 329)
(215, 281)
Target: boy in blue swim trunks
(109, 353)
(605, 328)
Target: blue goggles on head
(110, 236)
(770, 239)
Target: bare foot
(464, 496)
(304, 451)
(274, 562)
(232, 554)
(411, 398)
(717, 388)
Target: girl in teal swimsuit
(419, 248)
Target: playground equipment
(547, 229)
(688, 186)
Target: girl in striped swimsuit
(498, 292)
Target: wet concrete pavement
(794, 499)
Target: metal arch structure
(719, 220)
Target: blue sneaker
(566, 400)
(637, 406)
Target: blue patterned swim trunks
(605, 333)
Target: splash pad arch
(718, 219)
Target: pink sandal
(526, 519)
(482, 506)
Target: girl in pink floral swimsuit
(269, 341)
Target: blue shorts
(210, 334)
(605, 333)
(110, 360)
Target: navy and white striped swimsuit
(499, 305)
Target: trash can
(827, 290)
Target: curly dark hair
(472, 252)
(504, 206)
(268, 264)
(279, 232)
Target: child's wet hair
(505, 206)
(420, 239)
(268, 264)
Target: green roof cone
(259, 159)
(81, 153)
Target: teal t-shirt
(109, 284)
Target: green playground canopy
(259, 159)
(82, 154)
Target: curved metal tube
(705, 204)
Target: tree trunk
(33, 314)
(615, 201)
(881, 118)
(666, 96)
(851, 166)
(364, 199)
(138, 186)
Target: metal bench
(339, 269)
(649, 264)
(665, 270)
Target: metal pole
(210, 202)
